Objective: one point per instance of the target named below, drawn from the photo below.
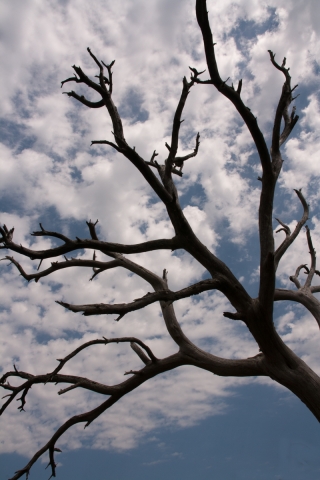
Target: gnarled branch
(124, 308)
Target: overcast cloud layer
(49, 173)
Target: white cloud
(47, 163)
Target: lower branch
(153, 367)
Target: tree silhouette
(275, 359)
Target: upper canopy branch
(229, 92)
(295, 278)
(102, 79)
(173, 148)
(78, 244)
(282, 112)
(104, 88)
(177, 162)
(73, 262)
(105, 93)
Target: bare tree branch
(282, 112)
(309, 301)
(267, 277)
(290, 237)
(118, 133)
(73, 262)
(124, 308)
(229, 92)
(78, 244)
(179, 161)
(84, 101)
(150, 370)
(305, 293)
(176, 126)
(313, 259)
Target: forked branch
(173, 148)
(78, 244)
(282, 112)
(124, 308)
(179, 161)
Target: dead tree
(275, 359)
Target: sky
(186, 422)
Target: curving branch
(305, 298)
(105, 341)
(116, 392)
(309, 271)
(295, 278)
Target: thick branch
(229, 92)
(267, 277)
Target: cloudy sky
(188, 421)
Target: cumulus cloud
(48, 170)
